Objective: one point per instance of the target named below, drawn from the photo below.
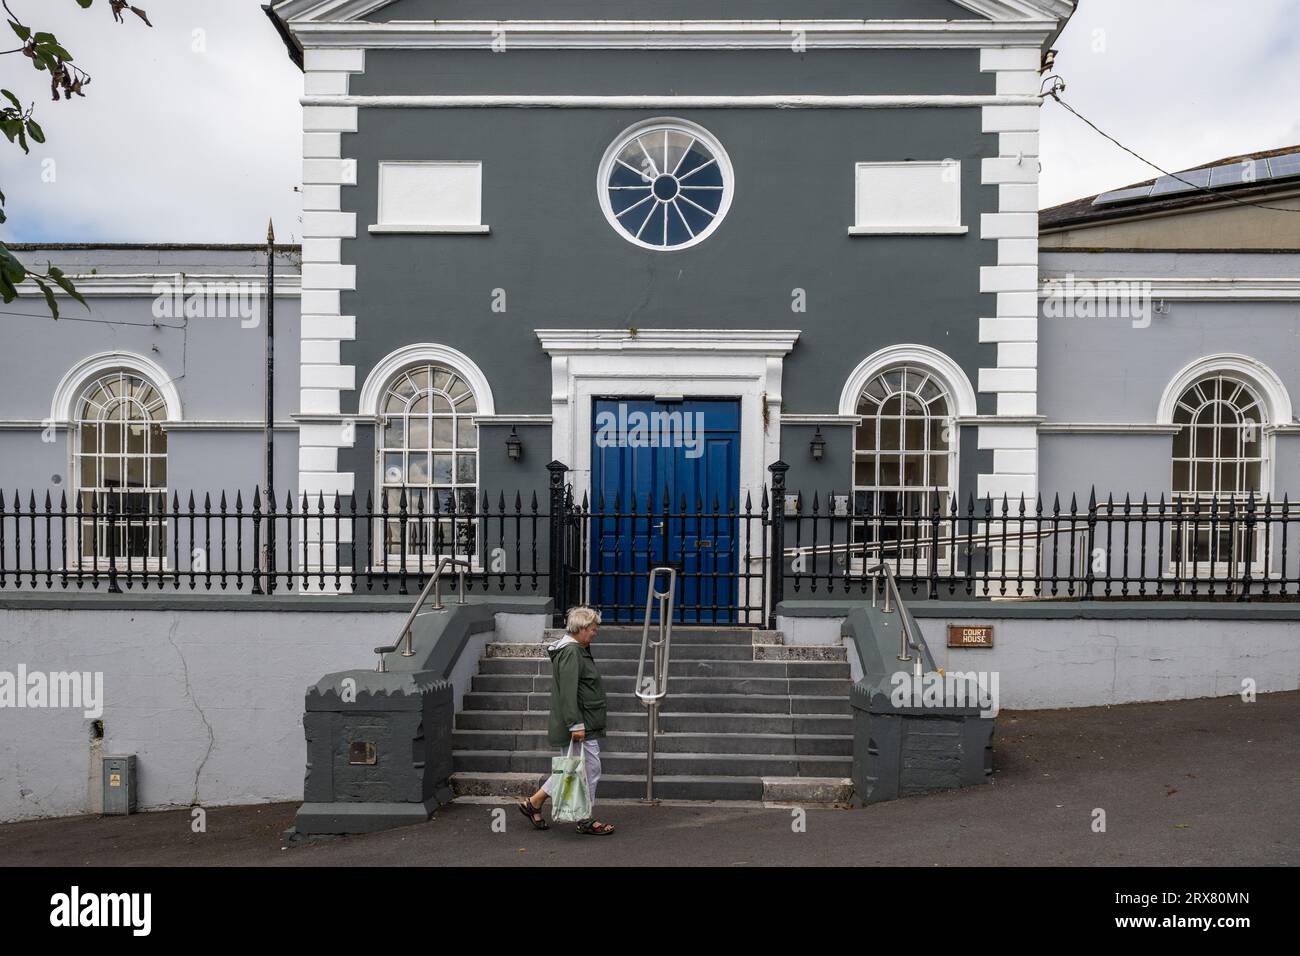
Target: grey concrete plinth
(316, 819)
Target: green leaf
(85, 4)
(35, 132)
(24, 34)
(65, 283)
(12, 99)
(12, 270)
(50, 301)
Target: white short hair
(580, 618)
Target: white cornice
(146, 285)
(1176, 288)
(668, 102)
(675, 34)
(668, 341)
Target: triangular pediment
(349, 11)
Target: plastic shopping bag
(571, 801)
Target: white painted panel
(329, 225)
(1013, 486)
(1017, 403)
(322, 352)
(347, 61)
(326, 119)
(1004, 279)
(1009, 330)
(431, 193)
(1011, 119)
(1018, 305)
(322, 145)
(1021, 461)
(1017, 144)
(1018, 252)
(1007, 380)
(1017, 355)
(317, 275)
(1018, 197)
(318, 459)
(321, 198)
(336, 84)
(324, 482)
(341, 172)
(996, 59)
(992, 437)
(1009, 169)
(329, 327)
(326, 435)
(323, 250)
(1010, 225)
(1019, 82)
(328, 376)
(319, 401)
(909, 195)
(321, 302)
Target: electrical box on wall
(119, 784)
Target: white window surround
(693, 130)
(743, 364)
(921, 197)
(63, 408)
(949, 372)
(369, 404)
(436, 197)
(1264, 379)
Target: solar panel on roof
(1123, 195)
(1183, 183)
(1284, 167)
(1239, 174)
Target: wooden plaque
(970, 635)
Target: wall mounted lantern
(514, 447)
(817, 447)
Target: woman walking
(577, 712)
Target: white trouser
(591, 749)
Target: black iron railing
(1180, 547)
(735, 559)
(243, 544)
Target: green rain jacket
(577, 696)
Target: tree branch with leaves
(19, 126)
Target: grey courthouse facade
(807, 211)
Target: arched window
(429, 451)
(1218, 460)
(121, 467)
(903, 453)
(1219, 450)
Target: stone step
(795, 790)
(718, 724)
(681, 635)
(612, 787)
(493, 666)
(675, 704)
(668, 764)
(630, 652)
(623, 741)
(805, 686)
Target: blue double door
(665, 481)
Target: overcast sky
(190, 132)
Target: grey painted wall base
(1056, 654)
(901, 751)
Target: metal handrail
(652, 690)
(435, 585)
(894, 602)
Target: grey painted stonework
(673, 10)
(906, 749)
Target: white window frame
(952, 227)
(430, 228)
(686, 128)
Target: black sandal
(595, 828)
(534, 814)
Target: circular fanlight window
(665, 184)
